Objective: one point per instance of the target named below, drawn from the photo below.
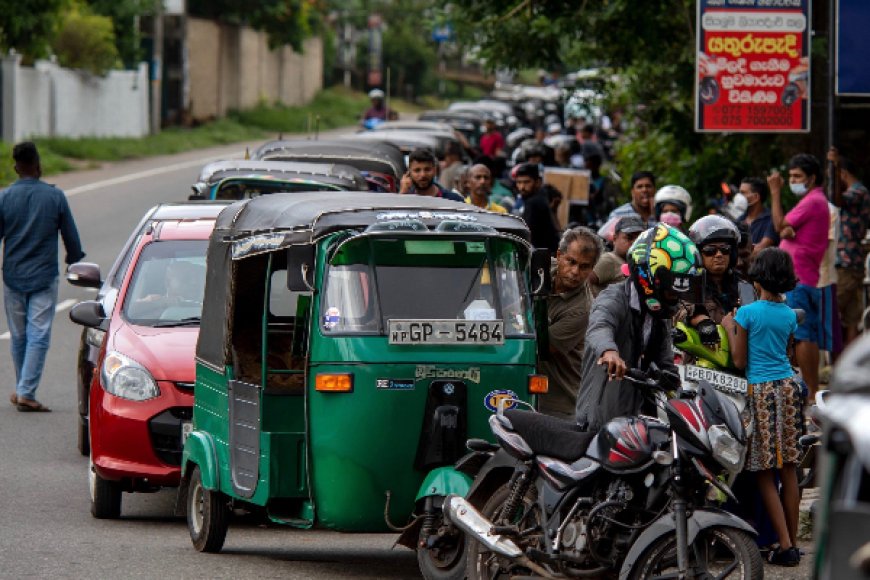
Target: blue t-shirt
(768, 326)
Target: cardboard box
(574, 185)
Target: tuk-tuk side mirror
(300, 264)
(88, 313)
(199, 191)
(540, 271)
(84, 274)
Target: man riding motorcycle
(627, 324)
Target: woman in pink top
(804, 233)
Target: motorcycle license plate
(722, 381)
(186, 429)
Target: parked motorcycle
(842, 522)
(631, 498)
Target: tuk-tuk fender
(199, 450)
(444, 481)
(700, 520)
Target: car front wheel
(208, 515)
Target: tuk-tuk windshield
(233, 189)
(372, 281)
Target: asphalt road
(46, 529)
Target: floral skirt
(777, 413)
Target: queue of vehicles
(296, 373)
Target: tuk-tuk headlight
(125, 378)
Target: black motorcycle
(634, 497)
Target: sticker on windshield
(331, 318)
(492, 399)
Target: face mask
(798, 189)
(672, 219)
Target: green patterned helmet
(664, 265)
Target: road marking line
(61, 306)
(140, 175)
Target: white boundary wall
(49, 101)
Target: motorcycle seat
(546, 435)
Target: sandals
(31, 406)
(780, 557)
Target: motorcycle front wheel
(717, 552)
(486, 565)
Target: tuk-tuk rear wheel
(207, 515)
(445, 560)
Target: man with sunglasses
(718, 240)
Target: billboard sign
(853, 22)
(753, 66)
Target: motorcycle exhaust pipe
(466, 517)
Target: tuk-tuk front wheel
(208, 515)
(443, 558)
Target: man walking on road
(32, 213)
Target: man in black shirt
(536, 208)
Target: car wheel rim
(197, 507)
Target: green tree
(28, 26)
(651, 46)
(86, 41)
(125, 23)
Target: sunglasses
(713, 249)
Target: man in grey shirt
(567, 313)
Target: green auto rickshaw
(350, 344)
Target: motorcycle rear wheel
(714, 551)
(485, 565)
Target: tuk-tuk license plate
(446, 332)
(717, 379)
(186, 430)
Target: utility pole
(833, 182)
(157, 70)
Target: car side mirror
(540, 272)
(199, 191)
(84, 274)
(300, 265)
(89, 313)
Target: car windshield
(168, 284)
(372, 281)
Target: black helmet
(715, 228)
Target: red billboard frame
(752, 69)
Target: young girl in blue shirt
(760, 334)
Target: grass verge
(331, 108)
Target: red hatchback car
(141, 393)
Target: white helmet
(376, 94)
(676, 195)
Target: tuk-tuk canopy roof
(268, 223)
(365, 156)
(332, 173)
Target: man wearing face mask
(758, 217)
(804, 233)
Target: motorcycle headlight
(125, 378)
(726, 449)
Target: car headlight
(726, 449)
(125, 378)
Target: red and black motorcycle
(636, 497)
